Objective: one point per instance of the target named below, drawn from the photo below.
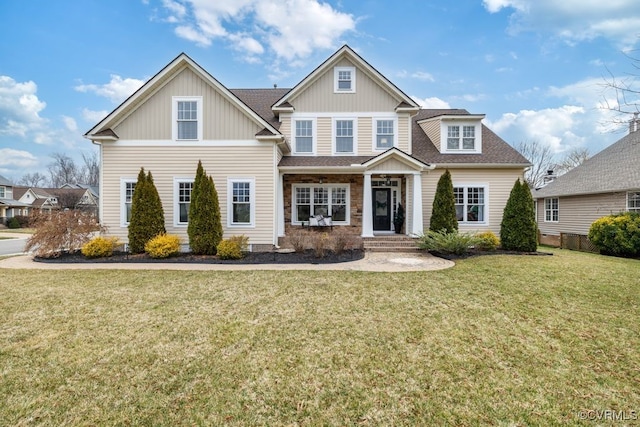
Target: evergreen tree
(205, 226)
(147, 216)
(443, 215)
(518, 230)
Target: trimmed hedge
(617, 234)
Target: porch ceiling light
(387, 181)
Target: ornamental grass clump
(163, 246)
(100, 247)
(447, 243)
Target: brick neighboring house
(607, 183)
(344, 142)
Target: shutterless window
(453, 137)
(551, 210)
(344, 136)
(633, 201)
(384, 134)
(344, 80)
(2, 192)
(187, 120)
(128, 199)
(470, 204)
(241, 203)
(320, 200)
(468, 137)
(304, 136)
(184, 200)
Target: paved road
(12, 246)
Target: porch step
(391, 243)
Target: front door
(382, 209)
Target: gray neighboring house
(9, 207)
(607, 183)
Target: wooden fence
(577, 242)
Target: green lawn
(497, 340)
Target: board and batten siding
(176, 161)
(222, 119)
(320, 96)
(577, 213)
(499, 183)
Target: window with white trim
(344, 136)
(2, 192)
(182, 189)
(551, 209)
(326, 200)
(344, 79)
(633, 201)
(384, 134)
(241, 202)
(187, 118)
(303, 142)
(470, 204)
(461, 137)
(126, 190)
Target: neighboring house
(607, 183)
(9, 207)
(345, 142)
(38, 199)
(69, 196)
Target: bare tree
(573, 158)
(90, 171)
(626, 90)
(35, 179)
(541, 158)
(62, 170)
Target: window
(344, 137)
(551, 210)
(2, 192)
(187, 118)
(470, 204)
(325, 200)
(127, 187)
(384, 134)
(241, 202)
(182, 195)
(633, 201)
(304, 137)
(461, 137)
(344, 79)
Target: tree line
(64, 170)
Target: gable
(222, 119)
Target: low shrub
(23, 220)
(13, 223)
(61, 231)
(230, 249)
(617, 234)
(242, 241)
(487, 241)
(163, 246)
(448, 243)
(319, 243)
(99, 247)
(298, 239)
(341, 241)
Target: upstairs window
(384, 134)
(187, 118)
(303, 137)
(461, 137)
(344, 79)
(2, 192)
(344, 137)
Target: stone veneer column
(367, 212)
(416, 227)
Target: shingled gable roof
(102, 130)
(613, 169)
(345, 51)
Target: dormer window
(344, 79)
(461, 137)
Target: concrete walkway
(372, 261)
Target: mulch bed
(307, 257)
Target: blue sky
(536, 68)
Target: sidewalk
(372, 261)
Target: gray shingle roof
(4, 181)
(261, 100)
(616, 168)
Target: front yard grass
(497, 340)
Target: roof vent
(633, 124)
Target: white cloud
(19, 107)
(421, 75)
(433, 102)
(92, 116)
(70, 123)
(292, 29)
(117, 90)
(10, 158)
(574, 20)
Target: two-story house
(9, 206)
(345, 142)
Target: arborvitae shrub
(443, 215)
(99, 247)
(617, 234)
(518, 230)
(163, 246)
(147, 216)
(205, 225)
